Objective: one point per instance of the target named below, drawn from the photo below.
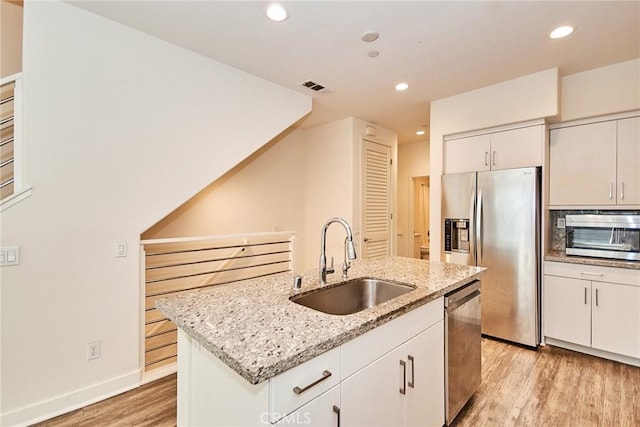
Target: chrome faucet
(349, 250)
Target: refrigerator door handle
(478, 219)
(472, 227)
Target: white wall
(120, 128)
(606, 90)
(413, 161)
(526, 98)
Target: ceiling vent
(316, 87)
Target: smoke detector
(316, 87)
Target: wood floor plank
(520, 387)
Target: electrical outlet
(93, 350)
(561, 223)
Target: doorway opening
(421, 233)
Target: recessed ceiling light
(560, 32)
(402, 86)
(373, 53)
(420, 132)
(276, 12)
(369, 36)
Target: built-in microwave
(605, 236)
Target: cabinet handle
(610, 190)
(486, 158)
(298, 390)
(596, 297)
(403, 389)
(412, 383)
(337, 411)
(585, 295)
(493, 161)
(622, 191)
(588, 273)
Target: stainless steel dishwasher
(463, 363)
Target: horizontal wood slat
(158, 354)
(210, 267)
(160, 327)
(173, 268)
(172, 287)
(204, 255)
(161, 340)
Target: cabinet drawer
(594, 273)
(366, 348)
(310, 379)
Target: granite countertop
(254, 328)
(561, 256)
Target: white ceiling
(441, 48)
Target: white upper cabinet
(467, 154)
(629, 161)
(508, 149)
(595, 164)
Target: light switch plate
(120, 249)
(9, 255)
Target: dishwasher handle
(451, 307)
(454, 297)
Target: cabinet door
(629, 161)
(582, 165)
(567, 309)
(371, 396)
(424, 401)
(517, 148)
(616, 318)
(467, 154)
(320, 412)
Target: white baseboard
(62, 404)
(156, 374)
(594, 352)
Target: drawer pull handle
(412, 383)
(586, 273)
(337, 411)
(403, 388)
(325, 375)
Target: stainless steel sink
(352, 296)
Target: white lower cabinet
(392, 375)
(582, 306)
(322, 411)
(402, 388)
(371, 397)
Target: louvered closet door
(376, 184)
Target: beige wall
(10, 37)
(297, 182)
(606, 90)
(120, 129)
(413, 161)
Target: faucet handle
(331, 269)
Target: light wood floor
(520, 387)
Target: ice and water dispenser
(456, 235)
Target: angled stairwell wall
(120, 128)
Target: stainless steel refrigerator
(492, 219)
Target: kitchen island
(239, 344)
